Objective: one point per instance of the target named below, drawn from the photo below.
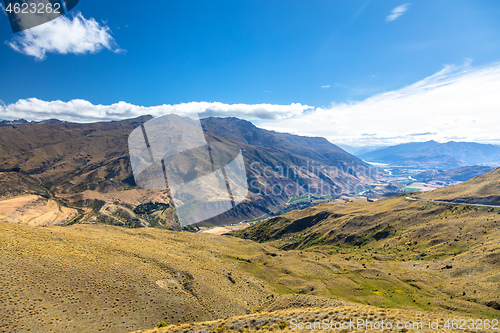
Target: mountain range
(86, 167)
(435, 155)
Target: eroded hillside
(80, 166)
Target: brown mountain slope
(70, 157)
(35, 210)
(77, 164)
(314, 148)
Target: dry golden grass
(287, 320)
(98, 278)
(90, 278)
(484, 189)
(398, 253)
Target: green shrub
(150, 208)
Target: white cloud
(397, 12)
(64, 35)
(326, 86)
(457, 103)
(83, 111)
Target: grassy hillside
(438, 249)
(287, 321)
(484, 189)
(99, 278)
(90, 278)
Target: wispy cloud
(397, 12)
(83, 111)
(458, 103)
(326, 86)
(64, 35)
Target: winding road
(451, 202)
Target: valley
(86, 166)
(394, 258)
(249, 166)
(84, 169)
(454, 243)
(87, 250)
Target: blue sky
(318, 54)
